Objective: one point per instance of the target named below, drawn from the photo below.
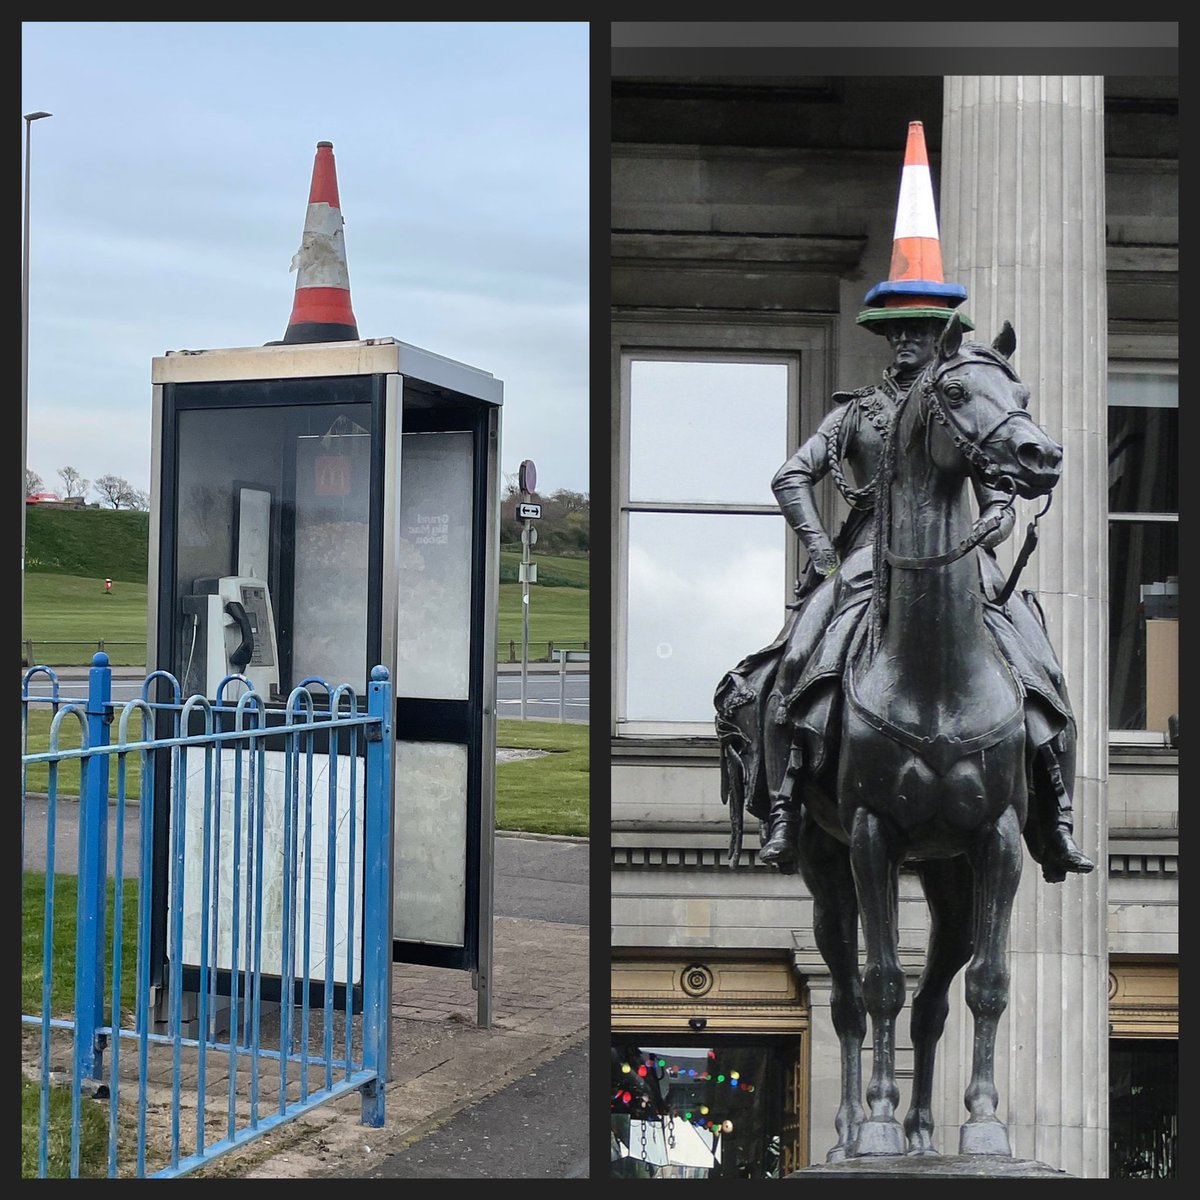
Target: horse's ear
(1006, 341)
(951, 339)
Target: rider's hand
(824, 560)
(1003, 527)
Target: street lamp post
(29, 120)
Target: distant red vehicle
(42, 497)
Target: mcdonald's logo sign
(331, 475)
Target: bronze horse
(931, 764)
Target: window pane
(433, 641)
(704, 591)
(1143, 459)
(429, 848)
(333, 500)
(1143, 624)
(706, 431)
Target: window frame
(1135, 356)
(803, 342)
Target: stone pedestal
(918, 1169)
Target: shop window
(1143, 1108)
(1143, 511)
(702, 1110)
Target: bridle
(972, 450)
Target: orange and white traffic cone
(321, 311)
(915, 286)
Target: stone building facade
(749, 218)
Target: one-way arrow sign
(529, 511)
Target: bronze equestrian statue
(912, 711)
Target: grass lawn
(547, 794)
(93, 1134)
(66, 616)
(556, 614)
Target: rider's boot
(1061, 852)
(782, 826)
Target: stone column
(1022, 228)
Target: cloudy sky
(168, 195)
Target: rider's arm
(793, 487)
(994, 504)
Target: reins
(981, 529)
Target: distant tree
(140, 501)
(33, 483)
(118, 492)
(74, 484)
(569, 501)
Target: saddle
(813, 707)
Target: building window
(1143, 513)
(1143, 1118)
(704, 548)
(717, 1109)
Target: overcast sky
(168, 195)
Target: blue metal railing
(240, 908)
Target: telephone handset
(231, 632)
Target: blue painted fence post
(377, 876)
(93, 870)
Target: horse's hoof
(879, 1136)
(837, 1154)
(985, 1136)
(922, 1152)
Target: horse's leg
(996, 859)
(825, 868)
(877, 884)
(946, 882)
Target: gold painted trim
(1143, 1000)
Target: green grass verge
(93, 1134)
(547, 794)
(555, 615)
(67, 615)
(62, 943)
(37, 775)
(552, 571)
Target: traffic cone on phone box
(321, 311)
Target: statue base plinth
(946, 1166)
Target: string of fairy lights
(632, 1092)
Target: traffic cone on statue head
(321, 311)
(915, 286)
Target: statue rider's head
(913, 341)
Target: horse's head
(974, 392)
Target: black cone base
(319, 331)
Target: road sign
(529, 512)
(529, 535)
(527, 476)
